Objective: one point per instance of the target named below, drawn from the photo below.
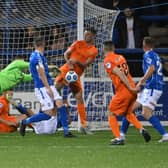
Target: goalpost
(60, 22)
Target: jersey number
(124, 68)
(159, 71)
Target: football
(71, 76)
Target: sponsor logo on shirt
(108, 65)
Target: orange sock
(133, 120)
(82, 113)
(113, 123)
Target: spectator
(29, 37)
(58, 38)
(130, 30)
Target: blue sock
(21, 109)
(157, 125)
(36, 118)
(124, 126)
(64, 119)
(59, 125)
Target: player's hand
(83, 66)
(70, 64)
(10, 123)
(134, 90)
(50, 93)
(140, 85)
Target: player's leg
(149, 101)
(115, 109)
(77, 91)
(62, 110)
(125, 123)
(133, 120)
(22, 109)
(46, 126)
(47, 107)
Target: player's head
(8, 94)
(128, 12)
(39, 42)
(148, 43)
(89, 35)
(18, 57)
(108, 46)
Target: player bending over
(13, 74)
(45, 91)
(153, 85)
(125, 93)
(78, 57)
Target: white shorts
(45, 100)
(149, 97)
(46, 126)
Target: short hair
(108, 43)
(91, 29)
(149, 41)
(39, 41)
(19, 56)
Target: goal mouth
(56, 21)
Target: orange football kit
(4, 110)
(123, 100)
(81, 52)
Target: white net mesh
(56, 20)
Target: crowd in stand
(129, 29)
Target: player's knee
(147, 113)
(79, 97)
(136, 106)
(58, 85)
(49, 112)
(59, 103)
(110, 113)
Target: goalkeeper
(13, 74)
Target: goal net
(56, 21)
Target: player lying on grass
(78, 57)
(125, 93)
(13, 74)
(153, 85)
(9, 123)
(45, 91)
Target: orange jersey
(4, 107)
(113, 60)
(4, 110)
(81, 51)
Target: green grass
(93, 151)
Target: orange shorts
(122, 103)
(76, 86)
(6, 128)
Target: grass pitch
(91, 151)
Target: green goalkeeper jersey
(14, 74)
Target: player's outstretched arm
(147, 75)
(22, 64)
(54, 70)
(27, 77)
(67, 56)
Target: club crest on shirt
(108, 65)
(148, 60)
(1, 105)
